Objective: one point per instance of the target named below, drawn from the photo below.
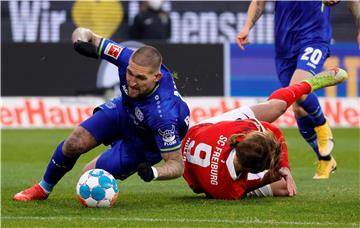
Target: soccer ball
(97, 188)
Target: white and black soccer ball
(97, 188)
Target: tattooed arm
(171, 169)
(173, 166)
(255, 10)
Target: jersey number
(201, 154)
(313, 54)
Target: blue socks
(58, 166)
(311, 105)
(306, 128)
(308, 123)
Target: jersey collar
(153, 90)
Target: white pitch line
(225, 221)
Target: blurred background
(45, 83)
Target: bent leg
(308, 107)
(268, 111)
(308, 112)
(99, 128)
(123, 158)
(279, 101)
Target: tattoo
(173, 168)
(80, 141)
(258, 13)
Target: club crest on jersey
(113, 50)
(139, 115)
(168, 136)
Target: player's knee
(80, 141)
(73, 147)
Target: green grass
(331, 203)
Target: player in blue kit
(302, 39)
(143, 126)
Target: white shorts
(264, 191)
(239, 113)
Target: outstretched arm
(171, 169)
(86, 35)
(255, 10)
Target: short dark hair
(256, 151)
(147, 56)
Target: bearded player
(241, 153)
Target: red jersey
(208, 158)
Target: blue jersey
(299, 23)
(161, 118)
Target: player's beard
(134, 92)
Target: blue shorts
(122, 159)
(310, 58)
(112, 125)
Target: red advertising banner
(66, 112)
(46, 112)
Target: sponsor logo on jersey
(139, 114)
(168, 136)
(113, 50)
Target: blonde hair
(256, 151)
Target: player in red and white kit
(241, 153)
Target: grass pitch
(330, 203)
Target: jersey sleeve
(167, 136)
(284, 161)
(253, 184)
(114, 53)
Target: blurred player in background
(143, 126)
(152, 23)
(302, 40)
(225, 156)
